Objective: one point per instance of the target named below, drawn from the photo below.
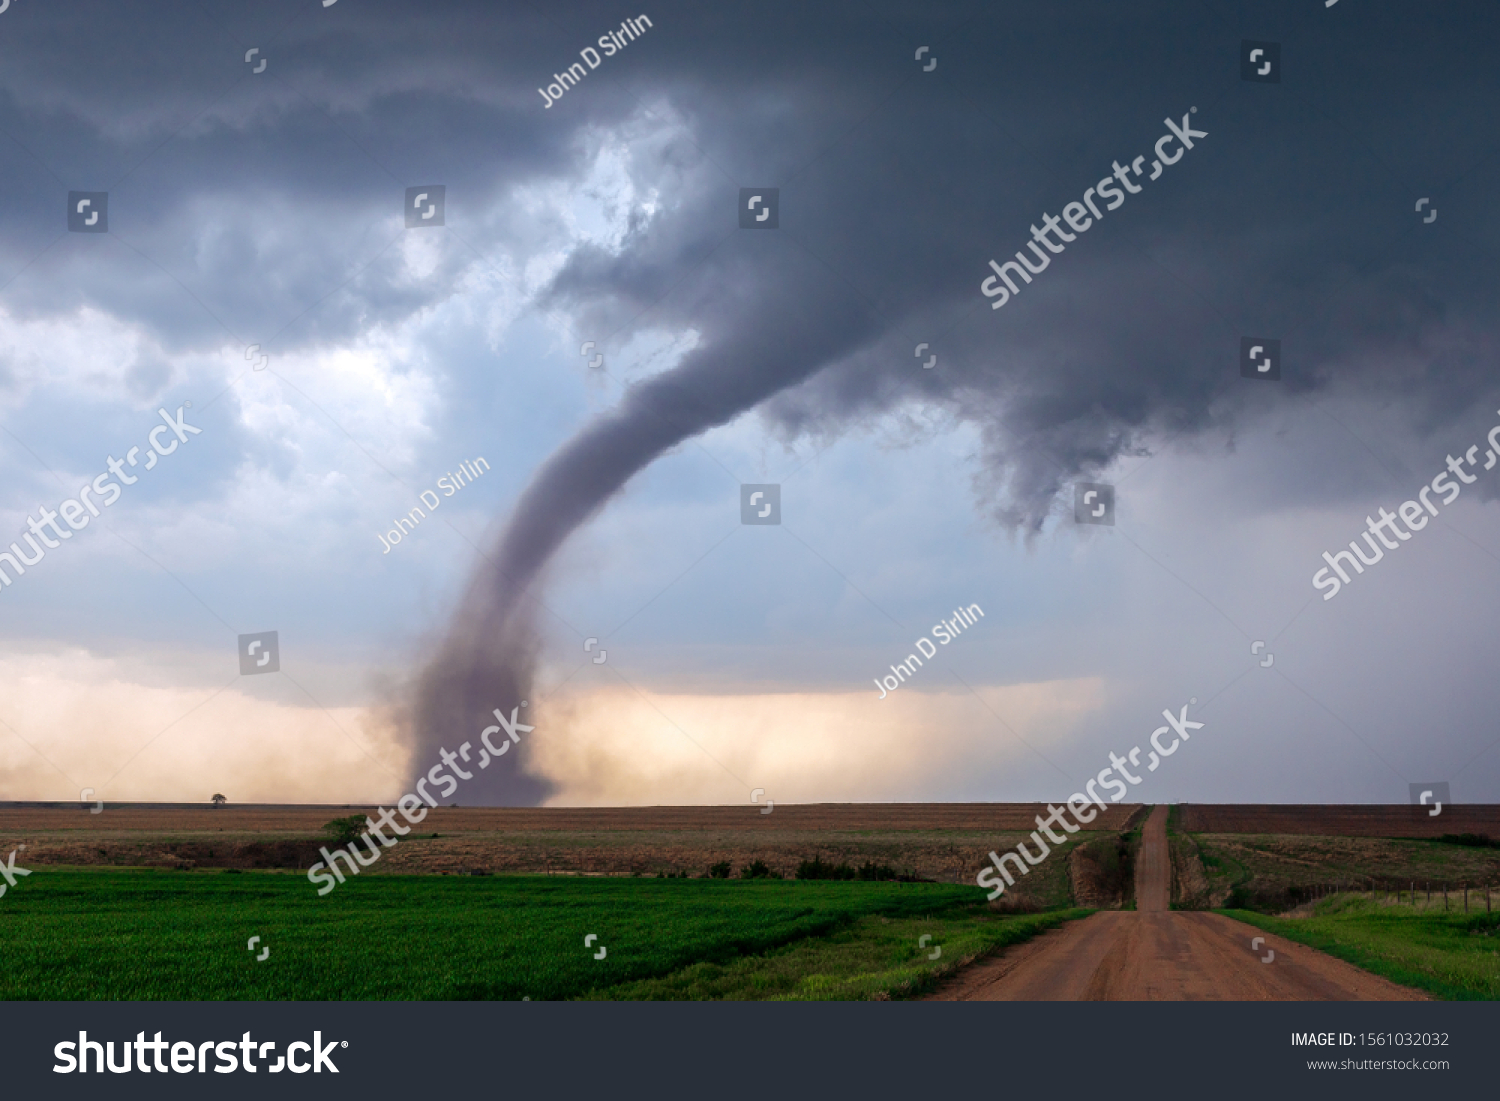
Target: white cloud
(74, 719)
(614, 746)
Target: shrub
(1472, 840)
(719, 870)
(868, 872)
(758, 870)
(345, 830)
(816, 869)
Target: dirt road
(1153, 867)
(1157, 954)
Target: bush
(868, 872)
(345, 831)
(816, 869)
(758, 870)
(1472, 840)
(719, 870)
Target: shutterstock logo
(1094, 503)
(88, 211)
(760, 207)
(1432, 795)
(760, 504)
(188, 1057)
(76, 512)
(10, 873)
(424, 205)
(1388, 533)
(260, 653)
(1052, 239)
(1260, 62)
(1260, 357)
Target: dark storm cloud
(1292, 219)
(238, 201)
(883, 240)
(1284, 220)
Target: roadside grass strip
(1453, 955)
(875, 958)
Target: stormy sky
(269, 208)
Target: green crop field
(1447, 953)
(151, 934)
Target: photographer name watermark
(945, 632)
(451, 484)
(611, 42)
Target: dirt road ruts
(1157, 954)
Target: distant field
(945, 842)
(1449, 953)
(1346, 820)
(1297, 853)
(292, 819)
(151, 934)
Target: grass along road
(1450, 954)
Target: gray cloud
(1269, 226)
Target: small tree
(345, 831)
(219, 800)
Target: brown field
(1277, 857)
(1276, 871)
(947, 842)
(1344, 820)
(1267, 856)
(299, 820)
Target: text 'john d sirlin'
(449, 484)
(945, 632)
(611, 42)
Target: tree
(345, 831)
(219, 800)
